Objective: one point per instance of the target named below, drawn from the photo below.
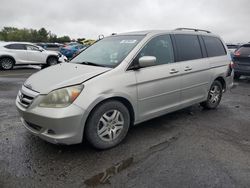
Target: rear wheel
(6, 63)
(107, 125)
(214, 96)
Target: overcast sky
(89, 18)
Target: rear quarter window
(188, 47)
(15, 46)
(214, 46)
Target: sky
(89, 18)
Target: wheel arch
(49, 56)
(222, 81)
(123, 100)
(8, 56)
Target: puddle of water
(104, 177)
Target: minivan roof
(156, 32)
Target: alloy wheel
(214, 94)
(110, 125)
(6, 63)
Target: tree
(79, 40)
(30, 35)
(43, 35)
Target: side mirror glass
(147, 61)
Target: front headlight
(62, 97)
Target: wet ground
(189, 148)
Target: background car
(50, 46)
(19, 53)
(231, 48)
(242, 61)
(70, 44)
(71, 50)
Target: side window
(33, 48)
(188, 47)
(15, 46)
(214, 46)
(159, 47)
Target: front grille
(26, 96)
(25, 100)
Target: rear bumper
(62, 59)
(242, 72)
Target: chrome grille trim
(26, 96)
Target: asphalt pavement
(188, 148)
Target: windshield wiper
(93, 64)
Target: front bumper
(55, 125)
(63, 59)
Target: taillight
(230, 68)
(231, 65)
(237, 53)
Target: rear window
(214, 46)
(244, 50)
(15, 46)
(188, 47)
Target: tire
(6, 63)
(214, 96)
(236, 76)
(102, 130)
(52, 61)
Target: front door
(158, 87)
(35, 56)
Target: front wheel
(214, 96)
(6, 63)
(107, 125)
(52, 61)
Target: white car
(20, 53)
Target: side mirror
(147, 61)
(41, 49)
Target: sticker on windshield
(128, 41)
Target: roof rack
(192, 29)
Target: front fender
(105, 97)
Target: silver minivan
(123, 80)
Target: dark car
(242, 61)
(71, 50)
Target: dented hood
(62, 75)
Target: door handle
(187, 68)
(173, 71)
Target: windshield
(108, 52)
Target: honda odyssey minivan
(123, 80)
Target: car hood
(62, 75)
